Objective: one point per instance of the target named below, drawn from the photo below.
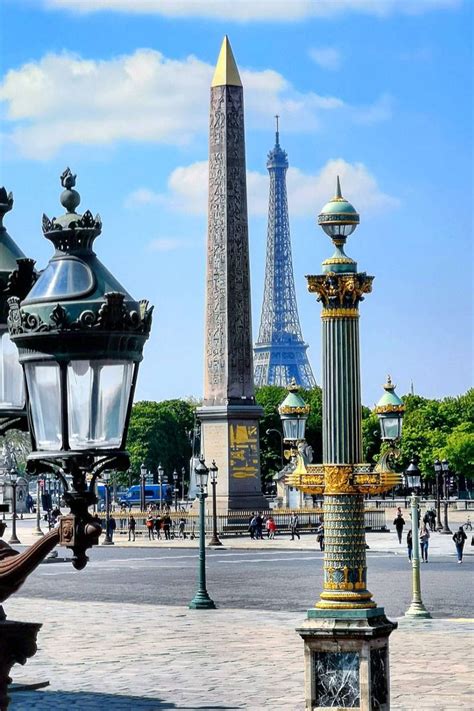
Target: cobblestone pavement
(124, 657)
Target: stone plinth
(229, 435)
(347, 659)
(17, 644)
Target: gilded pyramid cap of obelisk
(226, 72)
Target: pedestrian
(320, 535)
(259, 526)
(272, 527)
(459, 539)
(132, 524)
(111, 528)
(150, 524)
(399, 522)
(424, 542)
(167, 526)
(409, 544)
(253, 526)
(294, 521)
(432, 519)
(181, 527)
(158, 525)
(123, 514)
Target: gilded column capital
(340, 291)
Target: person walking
(294, 521)
(409, 544)
(259, 526)
(167, 526)
(111, 528)
(459, 539)
(399, 522)
(253, 526)
(271, 527)
(132, 524)
(181, 528)
(150, 524)
(320, 535)
(424, 542)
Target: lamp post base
(418, 610)
(346, 659)
(37, 532)
(202, 601)
(107, 542)
(214, 542)
(15, 540)
(446, 531)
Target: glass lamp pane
(12, 392)
(390, 429)
(65, 277)
(45, 397)
(98, 394)
(301, 427)
(290, 428)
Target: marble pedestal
(229, 435)
(347, 659)
(17, 644)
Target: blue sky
(375, 91)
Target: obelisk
(229, 416)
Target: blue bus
(132, 497)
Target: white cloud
(252, 10)
(166, 244)
(144, 97)
(187, 189)
(326, 57)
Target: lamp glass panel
(390, 426)
(291, 428)
(63, 278)
(301, 427)
(12, 391)
(43, 381)
(98, 394)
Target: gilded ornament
(339, 313)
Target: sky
(377, 91)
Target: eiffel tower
(280, 352)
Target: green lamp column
(340, 289)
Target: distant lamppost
(215, 541)
(161, 472)
(293, 413)
(106, 477)
(80, 338)
(143, 473)
(269, 431)
(413, 482)
(13, 480)
(175, 489)
(438, 469)
(201, 600)
(183, 474)
(38, 531)
(446, 478)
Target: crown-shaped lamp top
(71, 232)
(226, 72)
(293, 404)
(389, 402)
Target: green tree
(459, 450)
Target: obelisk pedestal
(229, 416)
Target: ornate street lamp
(390, 410)
(16, 279)
(106, 479)
(183, 474)
(215, 541)
(175, 489)
(201, 600)
(80, 338)
(143, 474)
(161, 472)
(293, 413)
(413, 482)
(38, 531)
(446, 478)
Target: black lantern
(293, 413)
(80, 338)
(389, 410)
(202, 474)
(413, 476)
(16, 279)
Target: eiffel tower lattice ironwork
(280, 351)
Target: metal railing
(235, 523)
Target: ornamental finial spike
(226, 72)
(277, 132)
(70, 199)
(338, 189)
(293, 386)
(389, 386)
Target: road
(266, 580)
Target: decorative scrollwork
(337, 291)
(60, 317)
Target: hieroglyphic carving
(229, 366)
